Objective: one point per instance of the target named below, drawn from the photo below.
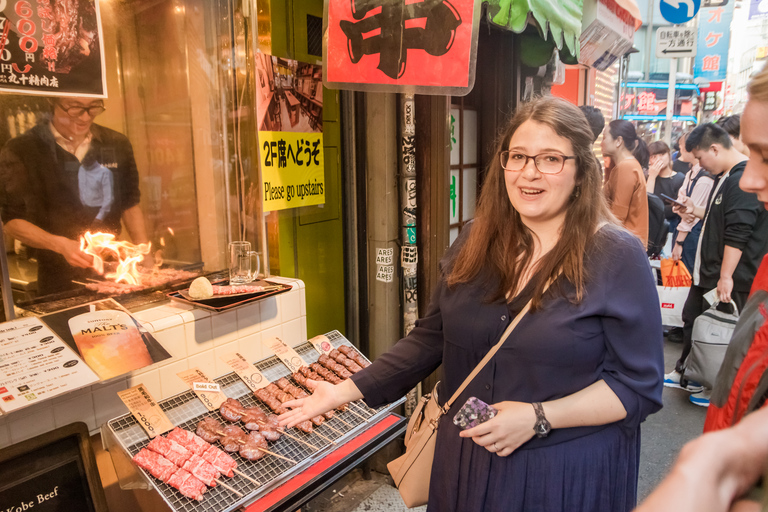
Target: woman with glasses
(625, 186)
(579, 373)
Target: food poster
(107, 337)
(35, 365)
(396, 46)
(289, 109)
(52, 48)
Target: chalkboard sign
(53, 472)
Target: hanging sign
(52, 48)
(400, 46)
(714, 37)
(289, 108)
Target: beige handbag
(411, 471)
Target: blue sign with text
(679, 11)
(714, 39)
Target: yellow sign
(292, 169)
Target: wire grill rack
(185, 411)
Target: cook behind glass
(63, 177)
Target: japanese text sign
(673, 42)
(426, 46)
(207, 391)
(146, 410)
(289, 108)
(52, 48)
(714, 37)
(247, 372)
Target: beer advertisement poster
(289, 109)
(52, 48)
(107, 338)
(426, 47)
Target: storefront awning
(560, 20)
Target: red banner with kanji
(425, 46)
(52, 48)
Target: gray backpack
(712, 331)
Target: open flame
(128, 255)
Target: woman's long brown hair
(500, 243)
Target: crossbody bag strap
(490, 353)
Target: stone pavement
(663, 435)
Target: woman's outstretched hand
(325, 397)
(507, 431)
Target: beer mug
(241, 270)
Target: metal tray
(185, 410)
(221, 303)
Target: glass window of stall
(159, 170)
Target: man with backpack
(732, 241)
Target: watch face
(542, 428)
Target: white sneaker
(701, 399)
(673, 378)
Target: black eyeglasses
(79, 111)
(546, 163)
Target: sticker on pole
(675, 42)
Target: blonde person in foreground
(717, 471)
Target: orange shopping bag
(674, 274)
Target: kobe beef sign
(424, 47)
(52, 48)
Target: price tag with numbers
(286, 354)
(322, 344)
(146, 410)
(208, 392)
(247, 372)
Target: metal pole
(648, 43)
(5, 284)
(670, 101)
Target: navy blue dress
(614, 335)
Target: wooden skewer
(246, 476)
(341, 420)
(358, 415)
(276, 455)
(228, 487)
(318, 434)
(330, 427)
(283, 432)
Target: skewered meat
(202, 470)
(187, 484)
(149, 278)
(310, 373)
(233, 437)
(157, 465)
(273, 403)
(223, 463)
(295, 392)
(189, 440)
(340, 358)
(254, 447)
(253, 417)
(171, 450)
(231, 410)
(353, 355)
(235, 289)
(208, 429)
(166, 471)
(334, 366)
(325, 373)
(220, 460)
(285, 397)
(302, 379)
(270, 430)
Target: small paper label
(146, 411)
(322, 344)
(286, 354)
(208, 392)
(248, 373)
(384, 256)
(385, 273)
(711, 296)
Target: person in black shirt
(52, 189)
(662, 179)
(733, 240)
(685, 159)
